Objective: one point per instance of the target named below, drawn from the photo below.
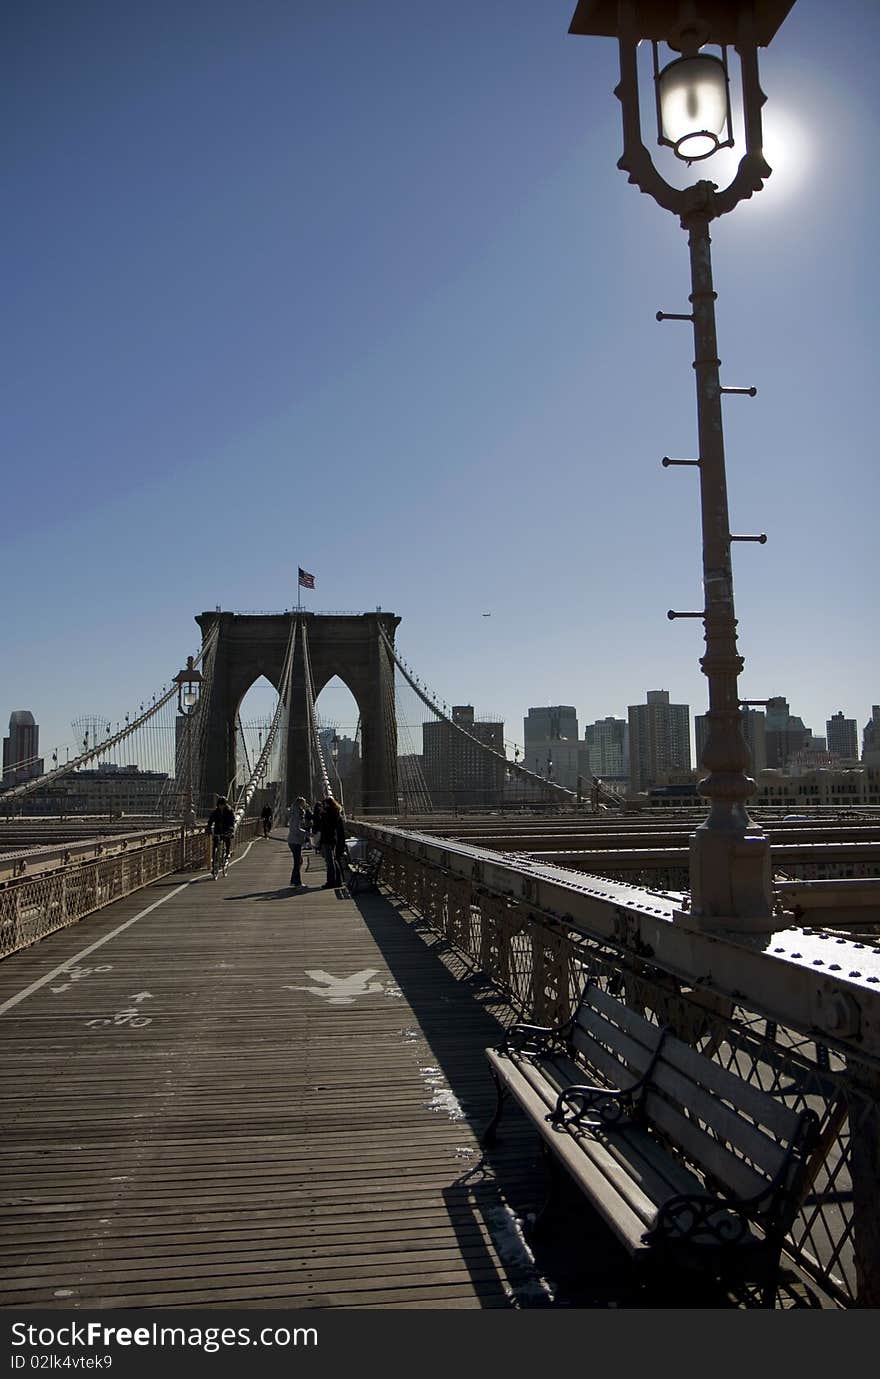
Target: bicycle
(220, 843)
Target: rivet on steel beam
(672, 615)
(762, 539)
(745, 392)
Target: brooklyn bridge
(230, 1092)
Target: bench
(363, 872)
(689, 1165)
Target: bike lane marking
(84, 953)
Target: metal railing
(771, 1016)
(32, 908)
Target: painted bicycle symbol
(132, 1018)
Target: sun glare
(787, 150)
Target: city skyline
(277, 301)
(331, 724)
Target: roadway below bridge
(228, 1094)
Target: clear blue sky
(358, 286)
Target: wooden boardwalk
(234, 1095)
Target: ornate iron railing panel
(31, 909)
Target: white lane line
(50, 976)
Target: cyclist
(266, 816)
(221, 823)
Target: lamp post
(730, 883)
(189, 684)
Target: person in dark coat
(299, 822)
(332, 828)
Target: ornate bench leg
(770, 1282)
(488, 1135)
(554, 1177)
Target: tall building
(871, 738)
(551, 743)
(753, 724)
(551, 724)
(843, 737)
(607, 748)
(785, 733)
(457, 772)
(659, 739)
(21, 760)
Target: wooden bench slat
(600, 1166)
(637, 1044)
(656, 1173)
(626, 1175)
(737, 1175)
(768, 1111)
(614, 1009)
(590, 1038)
(657, 1176)
(764, 1153)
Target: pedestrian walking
(298, 825)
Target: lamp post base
(731, 886)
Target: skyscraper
(607, 743)
(871, 738)
(786, 734)
(457, 772)
(843, 736)
(550, 724)
(21, 761)
(659, 739)
(551, 743)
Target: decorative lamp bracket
(703, 198)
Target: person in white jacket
(299, 821)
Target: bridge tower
(250, 645)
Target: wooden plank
(765, 1110)
(253, 1142)
(721, 1122)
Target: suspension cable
(100, 748)
(450, 722)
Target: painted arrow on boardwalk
(142, 996)
(341, 991)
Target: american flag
(306, 580)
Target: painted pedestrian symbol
(341, 991)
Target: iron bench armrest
(535, 1040)
(613, 1105)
